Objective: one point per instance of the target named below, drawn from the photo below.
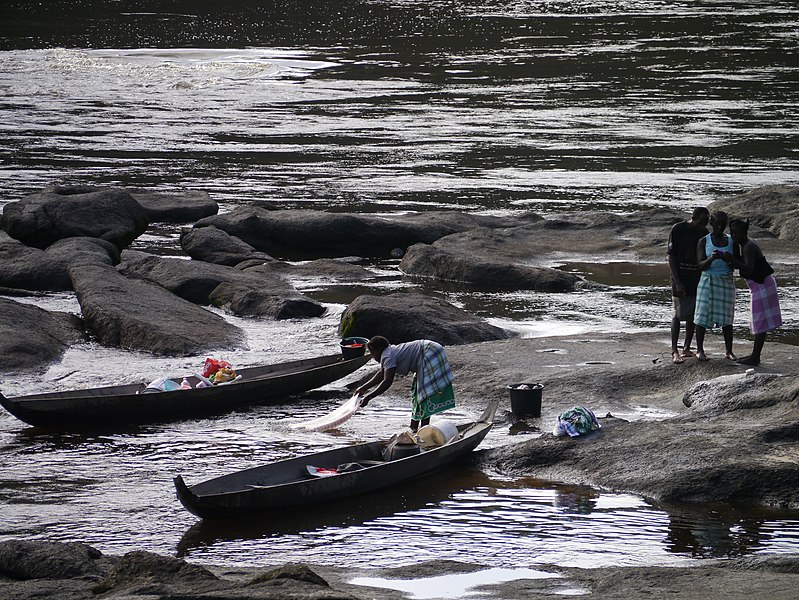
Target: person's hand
(364, 401)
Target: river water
(492, 107)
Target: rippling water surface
(384, 106)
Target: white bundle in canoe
(333, 419)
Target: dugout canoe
(288, 484)
(125, 404)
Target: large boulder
(250, 293)
(179, 207)
(141, 315)
(423, 260)
(23, 267)
(31, 337)
(27, 559)
(60, 212)
(213, 245)
(317, 234)
(404, 317)
(737, 443)
(772, 207)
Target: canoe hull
(123, 405)
(252, 492)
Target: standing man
(685, 274)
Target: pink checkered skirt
(765, 314)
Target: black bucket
(353, 347)
(525, 399)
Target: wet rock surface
(219, 247)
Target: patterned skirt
(765, 312)
(431, 391)
(715, 300)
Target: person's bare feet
(700, 354)
(687, 353)
(676, 358)
(748, 360)
(730, 356)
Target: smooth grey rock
(743, 455)
(141, 315)
(29, 268)
(317, 234)
(404, 317)
(24, 559)
(31, 337)
(179, 207)
(60, 212)
(251, 293)
(422, 260)
(773, 207)
(213, 245)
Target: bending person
(431, 390)
(715, 295)
(765, 312)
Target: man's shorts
(684, 307)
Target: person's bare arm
(388, 379)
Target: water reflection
(717, 531)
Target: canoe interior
(247, 374)
(94, 407)
(287, 484)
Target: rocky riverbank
(697, 432)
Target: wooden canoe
(288, 484)
(124, 404)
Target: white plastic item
(437, 434)
(185, 385)
(333, 419)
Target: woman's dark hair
(377, 344)
(739, 225)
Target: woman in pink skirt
(765, 312)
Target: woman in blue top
(715, 296)
(431, 391)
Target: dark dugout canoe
(124, 404)
(288, 484)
